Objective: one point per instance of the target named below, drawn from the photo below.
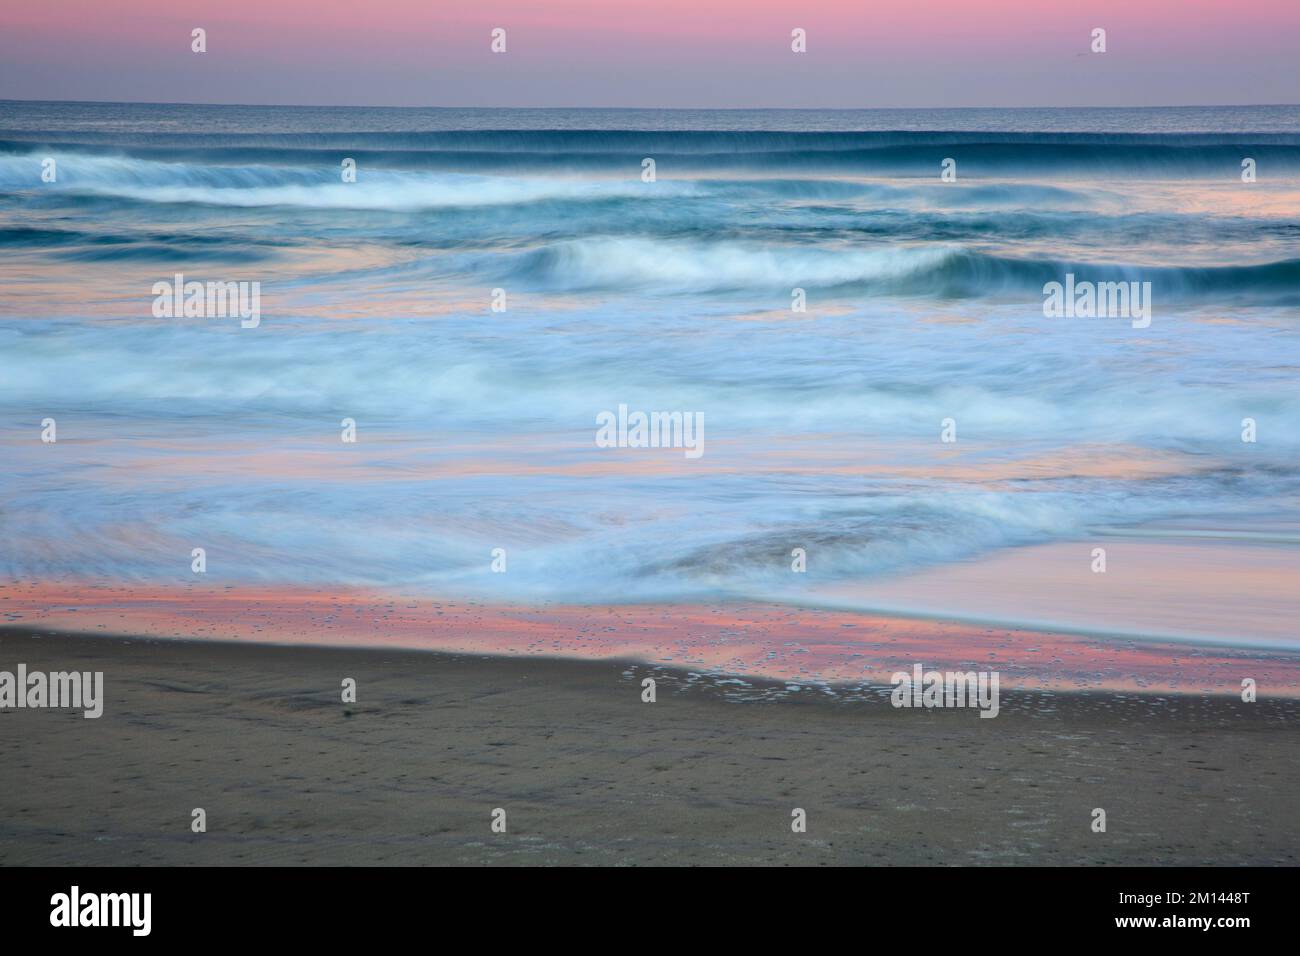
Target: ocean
(863, 343)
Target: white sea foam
(375, 189)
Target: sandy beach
(587, 773)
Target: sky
(655, 53)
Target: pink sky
(709, 53)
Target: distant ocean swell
(605, 151)
(702, 235)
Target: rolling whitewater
(808, 282)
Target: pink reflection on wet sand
(793, 644)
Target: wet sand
(766, 640)
(587, 773)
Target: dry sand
(589, 774)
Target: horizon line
(648, 109)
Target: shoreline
(696, 675)
(748, 639)
(709, 773)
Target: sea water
(866, 338)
